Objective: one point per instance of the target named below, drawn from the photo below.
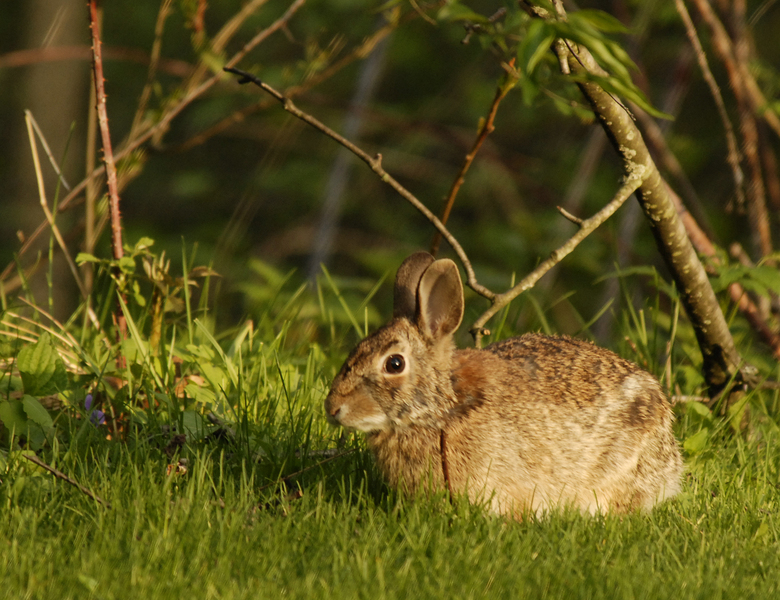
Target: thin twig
(359, 52)
(154, 61)
(486, 129)
(733, 156)
(34, 56)
(375, 163)
(61, 475)
(569, 216)
(586, 227)
(45, 205)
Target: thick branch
(721, 360)
(738, 294)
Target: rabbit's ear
(440, 298)
(406, 281)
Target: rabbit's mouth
(363, 416)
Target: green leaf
(41, 368)
(697, 442)
(127, 264)
(457, 12)
(83, 257)
(699, 408)
(766, 275)
(598, 19)
(143, 244)
(534, 46)
(193, 425)
(36, 412)
(13, 416)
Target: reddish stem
(108, 160)
(486, 129)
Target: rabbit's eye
(395, 364)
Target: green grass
(214, 532)
(261, 513)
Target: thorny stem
(160, 125)
(108, 153)
(110, 165)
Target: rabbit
(529, 423)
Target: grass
(212, 533)
(249, 505)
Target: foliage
(203, 428)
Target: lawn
(219, 531)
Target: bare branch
(375, 163)
(569, 216)
(586, 227)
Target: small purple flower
(98, 417)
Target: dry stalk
(45, 205)
(60, 475)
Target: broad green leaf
(699, 408)
(766, 275)
(13, 416)
(193, 425)
(83, 257)
(697, 442)
(41, 368)
(143, 244)
(36, 412)
(127, 264)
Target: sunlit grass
(227, 483)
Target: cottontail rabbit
(528, 423)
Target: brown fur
(530, 423)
